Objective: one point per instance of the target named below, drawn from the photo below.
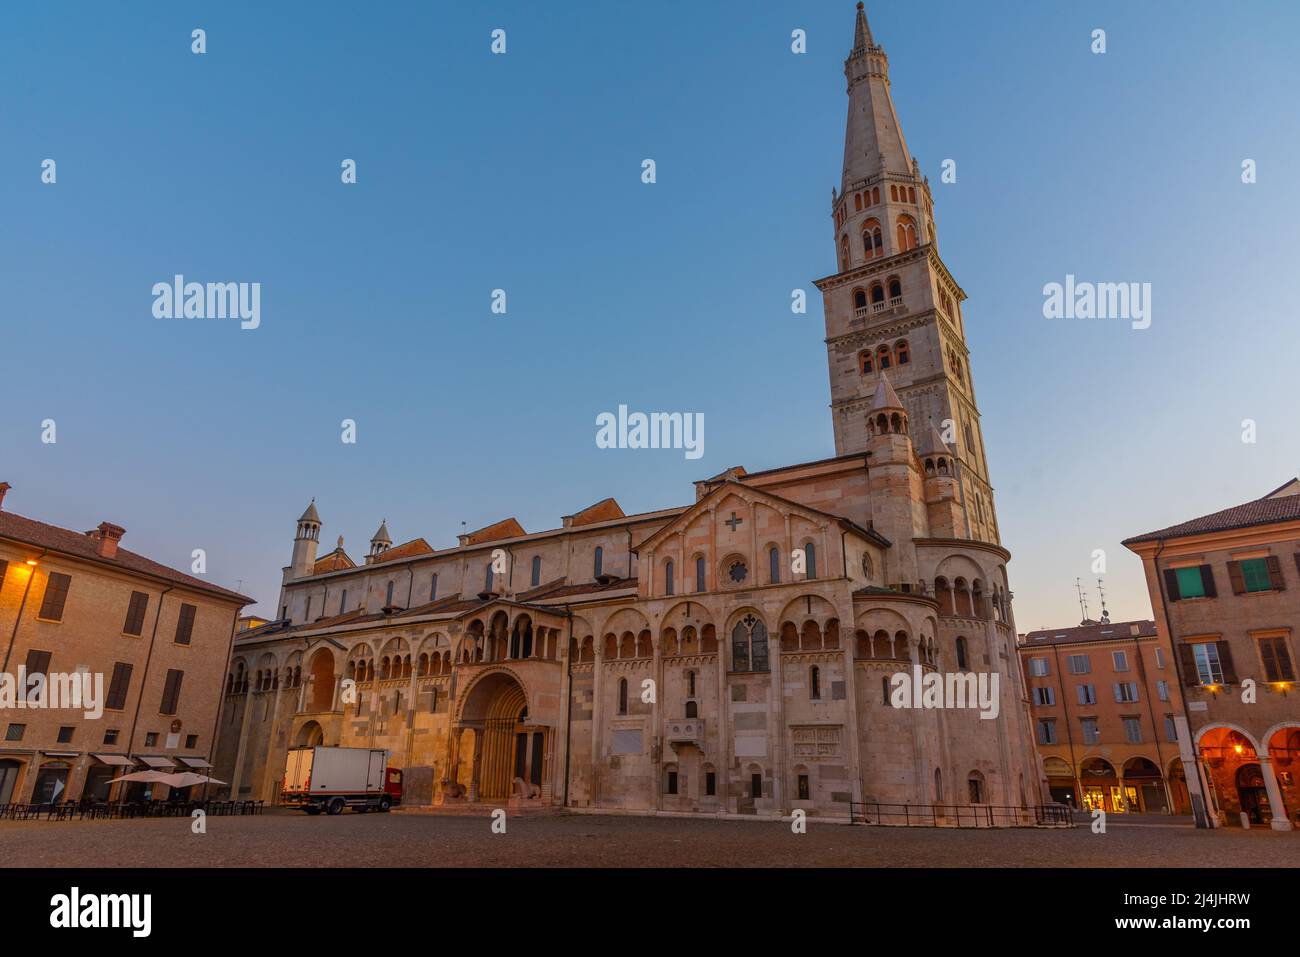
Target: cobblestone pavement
(279, 839)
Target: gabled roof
(506, 528)
(332, 562)
(719, 490)
(1280, 505)
(81, 545)
(416, 546)
(603, 511)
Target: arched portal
(507, 744)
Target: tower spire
(873, 140)
(862, 32)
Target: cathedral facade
(730, 656)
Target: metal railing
(960, 815)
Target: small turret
(305, 542)
(380, 542)
(897, 502)
(942, 492)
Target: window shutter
(119, 686)
(1285, 673)
(1225, 659)
(185, 625)
(1187, 665)
(135, 611)
(56, 595)
(1171, 584)
(171, 691)
(1115, 689)
(1207, 581)
(1237, 579)
(1275, 573)
(1297, 561)
(1269, 659)
(38, 662)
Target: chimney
(106, 538)
(4, 487)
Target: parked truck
(318, 778)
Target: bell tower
(893, 308)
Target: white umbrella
(153, 777)
(187, 779)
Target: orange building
(78, 609)
(1104, 699)
(1226, 591)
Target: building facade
(732, 655)
(1104, 698)
(157, 639)
(1226, 592)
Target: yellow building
(145, 647)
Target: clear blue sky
(523, 172)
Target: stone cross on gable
(733, 521)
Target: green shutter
(1190, 582)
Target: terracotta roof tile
(416, 546)
(1262, 511)
(80, 545)
(506, 528)
(1098, 631)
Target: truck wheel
(335, 806)
(385, 804)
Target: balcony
(684, 731)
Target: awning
(61, 754)
(117, 760)
(193, 762)
(154, 761)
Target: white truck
(317, 778)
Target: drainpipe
(13, 636)
(1201, 813)
(144, 677)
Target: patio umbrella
(187, 779)
(153, 777)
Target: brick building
(730, 655)
(74, 602)
(1226, 592)
(1104, 698)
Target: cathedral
(733, 655)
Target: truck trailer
(317, 778)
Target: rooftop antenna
(1105, 615)
(1083, 601)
